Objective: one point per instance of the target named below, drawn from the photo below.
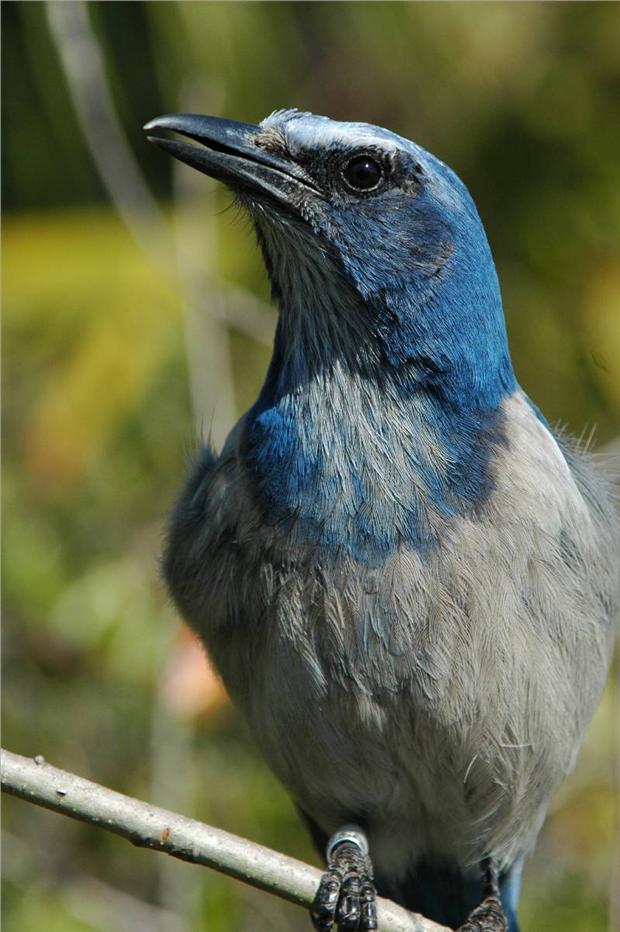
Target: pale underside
(440, 697)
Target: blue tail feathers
(443, 893)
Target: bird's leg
(489, 915)
(346, 898)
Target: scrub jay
(405, 578)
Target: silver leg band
(351, 833)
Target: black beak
(232, 153)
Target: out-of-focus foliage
(522, 100)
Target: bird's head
(373, 246)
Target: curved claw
(488, 917)
(323, 912)
(350, 907)
(369, 907)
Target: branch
(151, 827)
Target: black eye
(362, 173)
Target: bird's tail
(444, 893)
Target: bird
(405, 577)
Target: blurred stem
(206, 332)
(172, 770)
(206, 305)
(148, 826)
(84, 70)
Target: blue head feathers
(383, 399)
(410, 246)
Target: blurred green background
(136, 317)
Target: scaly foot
(489, 916)
(346, 898)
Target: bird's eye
(362, 173)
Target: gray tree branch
(148, 826)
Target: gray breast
(447, 692)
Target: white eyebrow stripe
(349, 136)
(316, 132)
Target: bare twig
(151, 827)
